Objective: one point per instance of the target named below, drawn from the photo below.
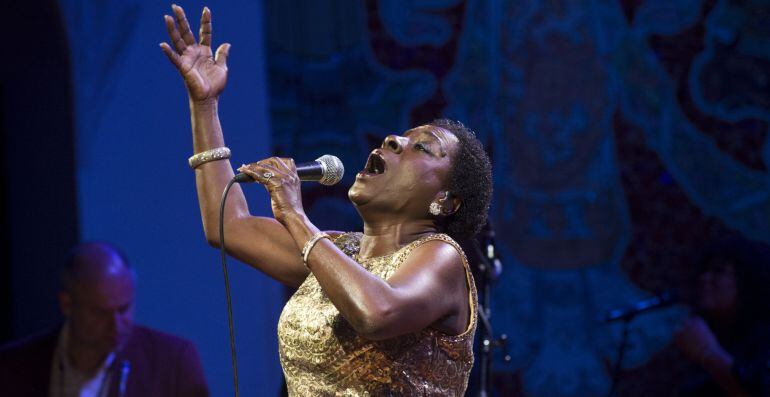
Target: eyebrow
(434, 135)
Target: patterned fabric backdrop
(623, 133)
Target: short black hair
(470, 179)
(750, 261)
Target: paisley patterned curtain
(623, 134)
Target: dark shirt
(160, 365)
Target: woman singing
(390, 311)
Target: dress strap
(472, 295)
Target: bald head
(91, 263)
(97, 297)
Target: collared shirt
(67, 381)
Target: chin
(357, 196)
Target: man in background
(98, 351)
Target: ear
(65, 303)
(453, 205)
(449, 202)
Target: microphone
(326, 170)
(663, 299)
(125, 369)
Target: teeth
(377, 164)
(374, 164)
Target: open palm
(204, 75)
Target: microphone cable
(223, 254)
(325, 162)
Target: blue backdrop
(136, 190)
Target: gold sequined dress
(321, 354)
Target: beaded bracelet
(220, 153)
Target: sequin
(322, 355)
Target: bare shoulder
(433, 279)
(438, 258)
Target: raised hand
(204, 75)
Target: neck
(83, 358)
(381, 238)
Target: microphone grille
(333, 170)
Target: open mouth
(375, 164)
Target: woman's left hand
(279, 176)
(696, 340)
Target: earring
(435, 208)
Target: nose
(119, 321)
(392, 143)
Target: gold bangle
(219, 153)
(310, 244)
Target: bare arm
(429, 289)
(258, 241)
(699, 344)
(719, 363)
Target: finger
(280, 164)
(259, 168)
(250, 171)
(184, 26)
(276, 166)
(172, 56)
(256, 177)
(205, 32)
(221, 56)
(246, 168)
(264, 174)
(173, 33)
(287, 164)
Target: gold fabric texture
(321, 354)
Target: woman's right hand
(204, 75)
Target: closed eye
(422, 147)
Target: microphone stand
(490, 267)
(621, 353)
(663, 299)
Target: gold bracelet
(219, 153)
(310, 244)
